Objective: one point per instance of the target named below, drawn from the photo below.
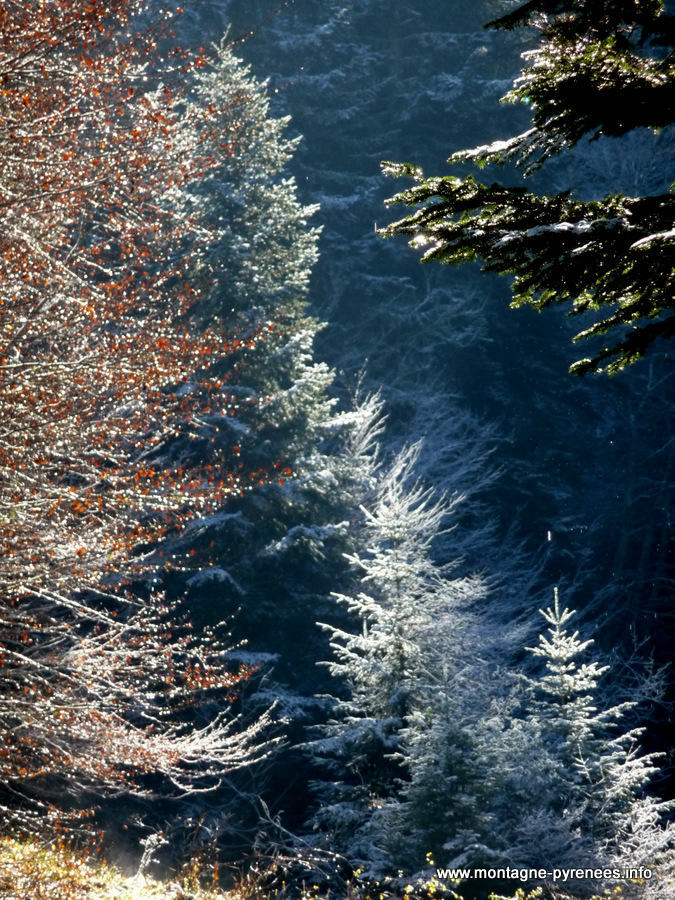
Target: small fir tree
(596, 778)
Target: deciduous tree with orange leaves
(107, 366)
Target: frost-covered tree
(407, 608)
(105, 366)
(268, 560)
(272, 543)
(531, 772)
(589, 782)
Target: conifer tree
(555, 782)
(601, 69)
(271, 543)
(268, 561)
(406, 610)
(593, 792)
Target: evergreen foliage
(268, 562)
(455, 761)
(279, 545)
(601, 69)
(589, 778)
(408, 611)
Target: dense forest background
(415, 472)
(574, 472)
(564, 480)
(581, 466)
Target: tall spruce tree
(406, 613)
(267, 562)
(258, 274)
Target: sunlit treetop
(601, 68)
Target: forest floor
(29, 871)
